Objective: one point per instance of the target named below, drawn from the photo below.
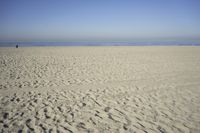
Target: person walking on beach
(17, 46)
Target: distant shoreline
(31, 44)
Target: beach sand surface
(113, 89)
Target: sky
(100, 20)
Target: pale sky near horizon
(99, 20)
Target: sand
(100, 89)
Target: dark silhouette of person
(17, 46)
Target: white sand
(100, 89)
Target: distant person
(17, 46)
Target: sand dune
(100, 89)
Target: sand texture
(100, 89)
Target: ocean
(27, 44)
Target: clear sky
(99, 20)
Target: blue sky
(100, 20)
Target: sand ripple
(100, 89)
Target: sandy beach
(114, 89)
